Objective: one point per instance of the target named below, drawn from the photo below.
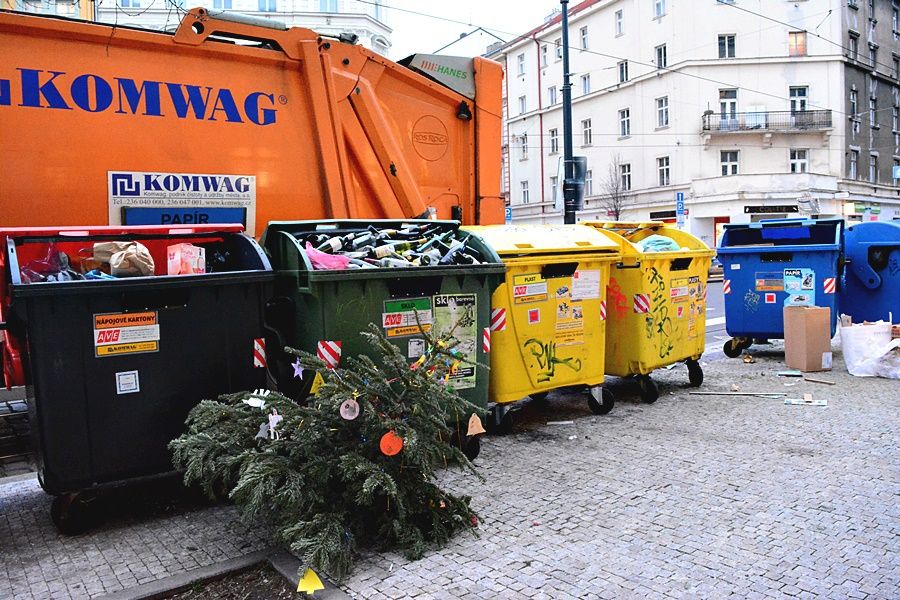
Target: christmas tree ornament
(318, 382)
(391, 444)
(274, 420)
(254, 402)
(349, 409)
(475, 426)
(298, 369)
(263, 431)
(310, 582)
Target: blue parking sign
(508, 214)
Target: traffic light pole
(569, 191)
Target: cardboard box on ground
(807, 338)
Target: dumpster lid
(627, 234)
(543, 239)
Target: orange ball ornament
(391, 444)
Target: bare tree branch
(613, 191)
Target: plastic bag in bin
(186, 259)
(126, 259)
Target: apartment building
(751, 110)
(329, 17)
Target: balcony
(767, 122)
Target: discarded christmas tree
(353, 467)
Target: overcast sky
(414, 33)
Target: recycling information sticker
(456, 315)
(800, 285)
(409, 316)
(126, 333)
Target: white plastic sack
(869, 351)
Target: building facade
(747, 109)
(329, 17)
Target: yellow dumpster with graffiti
(656, 301)
(548, 319)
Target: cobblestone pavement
(693, 497)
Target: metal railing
(781, 120)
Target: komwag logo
(92, 93)
(141, 184)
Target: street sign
(679, 209)
(508, 215)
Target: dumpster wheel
(733, 347)
(71, 514)
(695, 372)
(600, 400)
(539, 398)
(649, 391)
(472, 447)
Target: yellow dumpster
(548, 318)
(656, 301)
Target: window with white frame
(523, 186)
(625, 122)
(895, 119)
(659, 8)
(623, 71)
(522, 105)
(324, 6)
(551, 95)
(873, 168)
(662, 59)
(729, 161)
(554, 141)
(267, 6)
(873, 56)
(620, 22)
(799, 160)
(727, 45)
(584, 37)
(853, 46)
(854, 105)
(585, 132)
(523, 145)
(662, 169)
(799, 96)
(873, 112)
(796, 43)
(554, 188)
(557, 48)
(625, 176)
(543, 55)
(520, 64)
(854, 165)
(896, 67)
(895, 20)
(588, 183)
(662, 111)
(896, 169)
(585, 84)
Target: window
(625, 122)
(588, 183)
(522, 105)
(895, 119)
(797, 43)
(728, 105)
(227, 4)
(523, 144)
(662, 167)
(798, 99)
(585, 84)
(895, 20)
(551, 95)
(799, 161)
(854, 105)
(659, 8)
(267, 6)
(544, 55)
(871, 9)
(557, 46)
(554, 187)
(853, 3)
(554, 141)
(623, 71)
(896, 67)
(524, 187)
(729, 160)
(324, 5)
(662, 111)
(854, 162)
(873, 112)
(726, 46)
(520, 64)
(625, 173)
(620, 22)
(661, 58)
(873, 56)
(586, 132)
(130, 3)
(873, 168)
(584, 38)
(853, 46)
(896, 168)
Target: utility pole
(573, 188)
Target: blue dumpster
(773, 264)
(871, 289)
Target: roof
(584, 4)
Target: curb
(288, 566)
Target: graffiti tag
(659, 323)
(545, 354)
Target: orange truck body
(97, 120)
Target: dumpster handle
(621, 265)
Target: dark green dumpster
(324, 311)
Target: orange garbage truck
(236, 119)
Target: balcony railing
(765, 121)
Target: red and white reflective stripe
(830, 285)
(642, 303)
(498, 319)
(603, 310)
(259, 352)
(330, 352)
(486, 339)
(726, 286)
